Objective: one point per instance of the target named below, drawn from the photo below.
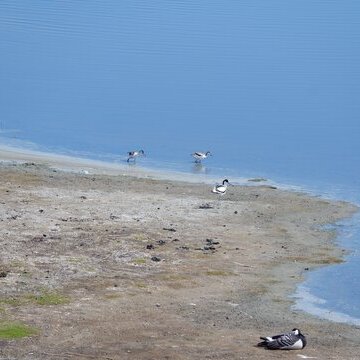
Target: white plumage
(198, 156)
(221, 188)
(293, 340)
(132, 155)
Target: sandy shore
(114, 263)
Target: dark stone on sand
(161, 242)
(3, 274)
(206, 206)
(150, 247)
(212, 242)
(155, 258)
(170, 229)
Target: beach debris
(3, 274)
(206, 206)
(161, 242)
(209, 245)
(169, 229)
(212, 242)
(257, 179)
(155, 258)
(293, 340)
(150, 246)
(306, 357)
(183, 248)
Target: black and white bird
(221, 188)
(293, 340)
(198, 156)
(132, 155)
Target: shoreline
(69, 163)
(226, 266)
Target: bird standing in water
(221, 188)
(198, 156)
(132, 155)
(293, 340)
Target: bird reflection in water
(199, 168)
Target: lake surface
(271, 88)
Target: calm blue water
(270, 87)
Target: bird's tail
(262, 343)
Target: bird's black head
(208, 153)
(225, 181)
(141, 152)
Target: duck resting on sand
(293, 340)
(221, 188)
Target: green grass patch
(48, 298)
(45, 298)
(139, 261)
(218, 273)
(13, 301)
(140, 285)
(10, 331)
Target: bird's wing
(283, 341)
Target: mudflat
(102, 265)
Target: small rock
(161, 242)
(150, 247)
(170, 229)
(3, 274)
(212, 242)
(206, 206)
(155, 258)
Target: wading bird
(132, 155)
(198, 156)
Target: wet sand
(111, 262)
